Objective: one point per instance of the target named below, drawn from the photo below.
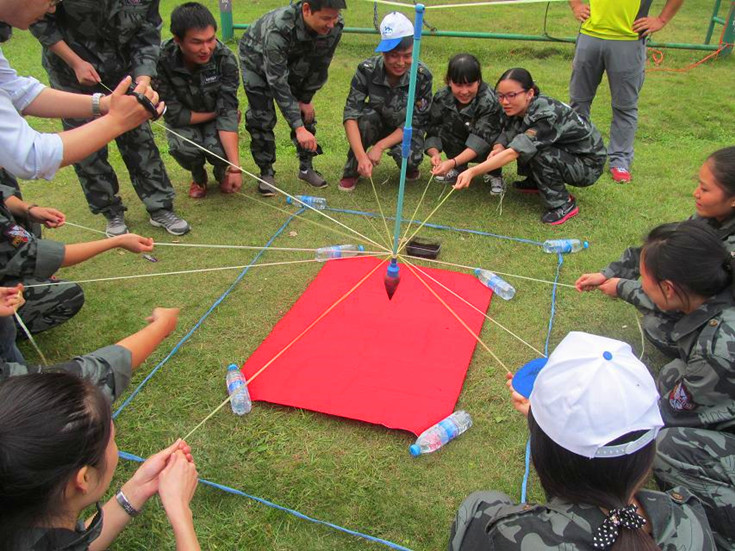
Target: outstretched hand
(126, 111)
(51, 218)
(134, 243)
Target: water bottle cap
(360, 248)
(586, 244)
(414, 450)
(477, 271)
(289, 201)
(392, 270)
(233, 367)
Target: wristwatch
(96, 104)
(125, 504)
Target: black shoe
(265, 189)
(561, 214)
(526, 186)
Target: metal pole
(225, 16)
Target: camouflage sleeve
(701, 391)
(46, 30)
(434, 125)
(227, 103)
(477, 511)
(356, 97)
(22, 254)
(275, 66)
(177, 114)
(630, 291)
(422, 107)
(318, 77)
(146, 46)
(626, 266)
(488, 127)
(540, 134)
(109, 368)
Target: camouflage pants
(139, 153)
(372, 129)
(704, 462)
(8, 334)
(260, 120)
(48, 306)
(194, 159)
(552, 168)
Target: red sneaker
(620, 175)
(348, 183)
(196, 191)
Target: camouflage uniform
(110, 368)
(657, 324)
(29, 260)
(454, 128)
(211, 87)
(490, 520)
(283, 60)
(10, 182)
(118, 37)
(556, 146)
(380, 108)
(697, 449)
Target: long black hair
(51, 425)
(522, 77)
(722, 165)
(607, 483)
(463, 69)
(691, 256)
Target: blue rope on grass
(131, 457)
(527, 473)
(440, 226)
(186, 337)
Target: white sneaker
(449, 178)
(497, 184)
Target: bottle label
(449, 428)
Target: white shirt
(24, 152)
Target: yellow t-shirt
(612, 19)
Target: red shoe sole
(574, 212)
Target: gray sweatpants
(624, 61)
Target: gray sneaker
(449, 178)
(167, 220)
(312, 177)
(116, 225)
(497, 184)
(266, 190)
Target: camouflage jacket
(109, 368)
(21, 253)
(677, 521)
(477, 125)
(290, 57)
(370, 89)
(211, 87)
(116, 36)
(627, 266)
(551, 123)
(698, 388)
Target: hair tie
(609, 530)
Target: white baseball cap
(592, 391)
(393, 28)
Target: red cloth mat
(398, 363)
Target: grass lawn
(354, 474)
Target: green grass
(354, 474)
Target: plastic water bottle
(499, 286)
(564, 246)
(435, 437)
(319, 203)
(237, 388)
(338, 251)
